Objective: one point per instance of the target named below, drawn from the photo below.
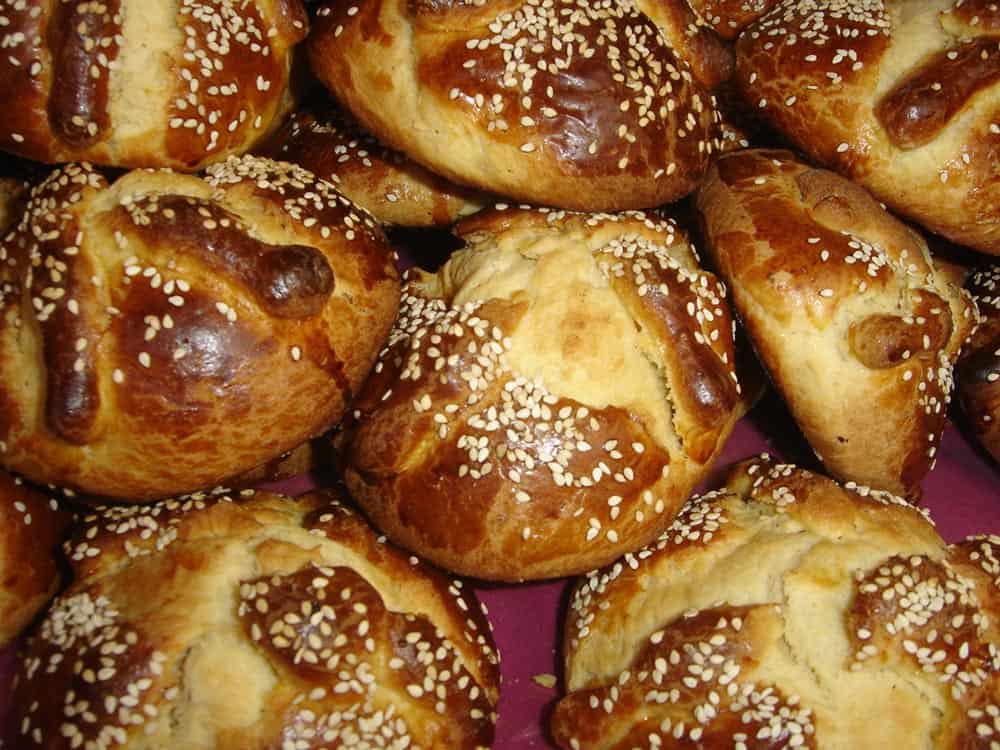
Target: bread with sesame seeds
(549, 398)
(395, 190)
(857, 329)
(144, 83)
(693, 39)
(783, 611)
(580, 104)
(32, 526)
(258, 622)
(727, 18)
(166, 332)
(978, 370)
(902, 96)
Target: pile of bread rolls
(203, 290)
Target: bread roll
(579, 104)
(144, 83)
(978, 370)
(211, 624)
(394, 189)
(163, 333)
(31, 529)
(902, 96)
(856, 328)
(787, 611)
(549, 398)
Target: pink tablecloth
(963, 495)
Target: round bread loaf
(978, 372)
(549, 398)
(856, 328)
(391, 187)
(164, 333)
(902, 96)
(144, 83)
(264, 623)
(582, 104)
(787, 611)
(33, 527)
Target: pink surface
(963, 494)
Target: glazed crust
(141, 83)
(329, 143)
(549, 398)
(978, 372)
(33, 528)
(259, 622)
(598, 111)
(729, 17)
(184, 330)
(856, 328)
(785, 610)
(901, 96)
(710, 58)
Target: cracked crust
(549, 398)
(841, 604)
(257, 622)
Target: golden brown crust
(729, 17)
(598, 111)
(170, 83)
(711, 647)
(844, 307)
(918, 108)
(549, 398)
(179, 321)
(977, 558)
(978, 371)
(391, 187)
(33, 528)
(834, 616)
(902, 96)
(214, 622)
